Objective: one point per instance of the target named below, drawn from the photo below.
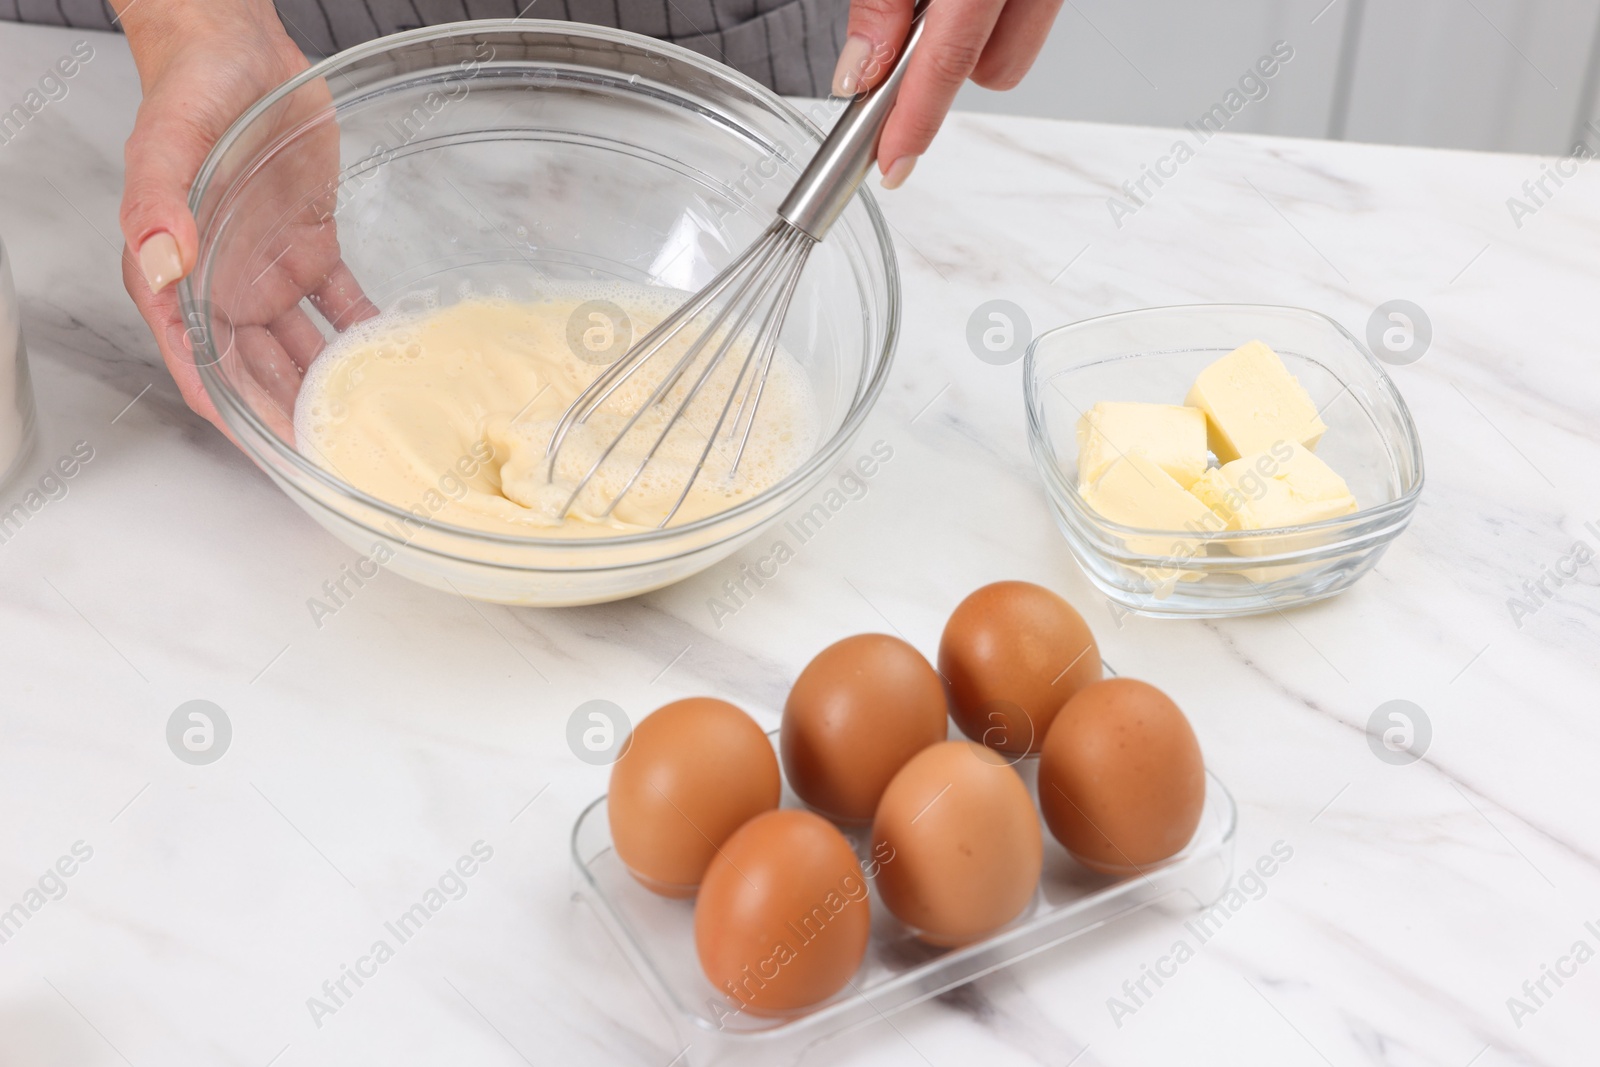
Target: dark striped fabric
(788, 45)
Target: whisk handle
(840, 165)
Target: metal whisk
(756, 287)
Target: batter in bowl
(448, 413)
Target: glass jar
(16, 388)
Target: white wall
(1512, 75)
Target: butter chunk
(1287, 485)
(1213, 490)
(1252, 402)
(1171, 436)
(1134, 491)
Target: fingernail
(159, 260)
(898, 172)
(852, 62)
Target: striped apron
(788, 45)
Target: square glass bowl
(1154, 355)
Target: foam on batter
(451, 407)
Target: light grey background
(1506, 75)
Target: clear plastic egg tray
(657, 935)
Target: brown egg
(1121, 780)
(1012, 654)
(858, 711)
(957, 843)
(782, 918)
(694, 772)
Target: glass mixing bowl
(494, 159)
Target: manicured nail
(159, 260)
(852, 62)
(898, 172)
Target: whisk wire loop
(600, 390)
(762, 348)
(770, 267)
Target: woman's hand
(993, 42)
(201, 64)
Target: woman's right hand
(201, 64)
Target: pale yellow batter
(449, 413)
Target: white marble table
(369, 754)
